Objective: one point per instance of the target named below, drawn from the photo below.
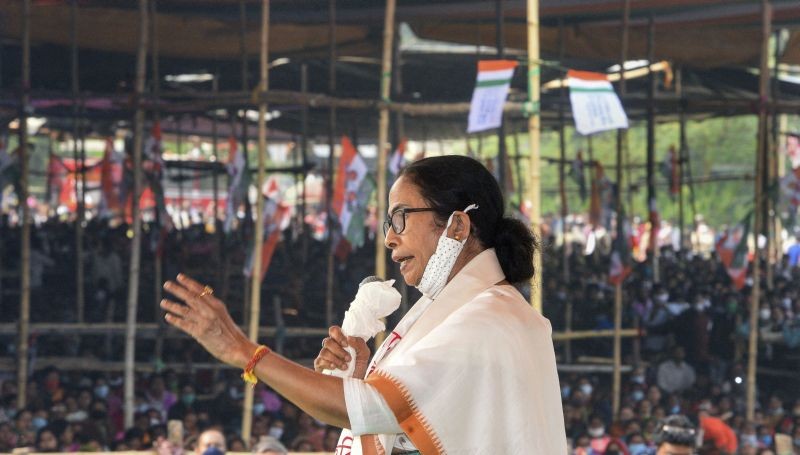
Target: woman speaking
(470, 369)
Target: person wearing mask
(675, 435)
(211, 442)
(469, 369)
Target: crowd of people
(690, 359)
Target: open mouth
(403, 261)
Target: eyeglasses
(397, 220)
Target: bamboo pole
(80, 190)
(562, 147)
(755, 297)
(158, 260)
(681, 155)
(329, 271)
(136, 241)
(215, 183)
(534, 132)
(25, 266)
(502, 152)
(304, 162)
(80, 163)
(383, 131)
(255, 288)
(622, 142)
(652, 203)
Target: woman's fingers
(335, 332)
(191, 284)
(175, 308)
(327, 361)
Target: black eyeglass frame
(405, 210)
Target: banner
(351, 194)
(489, 96)
(595, 105)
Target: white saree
(472, 372)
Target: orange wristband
(248, 375)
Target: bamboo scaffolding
(755, 297)
(136, 241)
(25, 265)
(383, 132)
(622, 142)
(534, 133)
(255, 288)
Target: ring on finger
(207, 290)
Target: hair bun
(514, 245)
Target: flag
(351, 193)
(489, 96)
(398, 160)
(239, 182)
(277, 216)
(620, 266)
(670, 170)
(595, 105)
(576, 172)
(732, 251)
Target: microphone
(374, 300)
(369, 279)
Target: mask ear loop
(450, 220)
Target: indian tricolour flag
(491, 90)
(595, 105)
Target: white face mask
(441, 263)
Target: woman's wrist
(245, 353)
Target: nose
(390, 241)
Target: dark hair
(676, 429)
(450, 183)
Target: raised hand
(205, 318)
(335, 356)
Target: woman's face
(415, 245)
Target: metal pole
(383, 130)
(534, 132)
(25, 266)
(133, 275)
(255, 284)
(755, 297)
(331, 147)
(652, 203)
(502, 152)
(80, 163)
(622, 142)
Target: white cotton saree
(472, 372)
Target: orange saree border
(411, 420)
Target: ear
(460, 227)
